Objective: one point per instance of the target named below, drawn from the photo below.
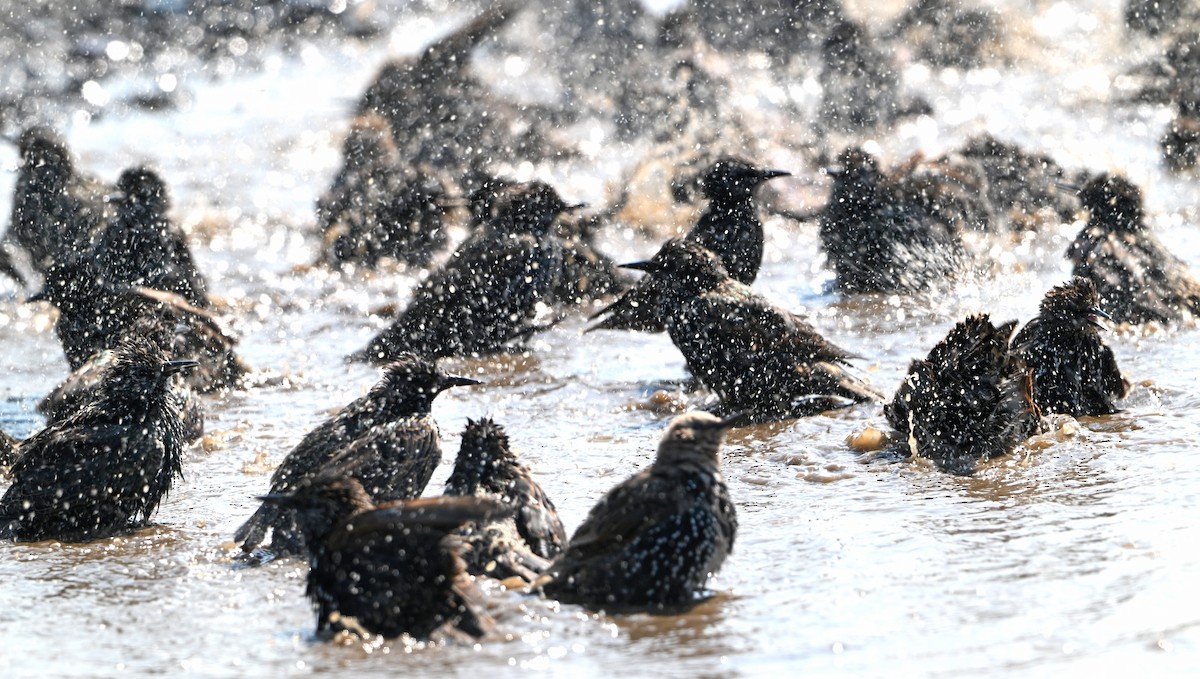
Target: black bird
(879, 240)
(967, 401)
(55, 210)
(141, 247)
(860, 84)
(387, 439)
(1071, 369)
(1021, 183)
(94, 316)
(106, 468)
(390, 569)
(757, 357)
(486, 295)
(521, 544)
(654, 540)
(378, 206)
(729, 228)
(1137, 278)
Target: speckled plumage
(1071, 369)
(967, 401)
(1137, 278)
(387, 439)
(390, 569)
(521, 544)
(106, 468)
(485, 296)
(654, 540)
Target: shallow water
(1076, 555)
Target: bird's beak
(115, 197)
(458, 381)
(647, 266)
(1067, 187)
(771, 174)
(1099, 318)
(280, 499)
(39, 296)
(733, 420)
(576, 206)
(172, 367)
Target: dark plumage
(378, 206)
(390, 569)
(1137, 278)
(860, 86)
(878, 239)
(654, 540)
(106, 468)
(1071, 369)
(94, 316)
(55, 210)
(523, 543)
(485, 296)
(967, 401)
(729, 228)
(757, 357)
(141, 247)
(1020, 183)
(387, 439)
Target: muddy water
(1076, 555)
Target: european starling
(55, 211)
(521, 544)
(967, 401)
(387, 439)
(654, 540)
(729, 228)
(1137, 278)
(94, 316)
(485, 296)
(141, 247)
(390, 569)
(757, 357)
(879, 240)
(377, 206)
(1071, 369)
(106, 468)
(860, 86)
(1020, 183)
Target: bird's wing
(623, 513)
(537, 519)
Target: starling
(379, 207)
(106, 468)
(879, 240)
(860, 86)
(486, 295)
(55, 211)
(967, 401)
(1021, 182)
(1071, 369)
(729, 227)
(141, 247)
(1137, 278)
(759, 358)
(386, 439)
(390, 569)
(654, 540)
(521, 544)
(94, 316)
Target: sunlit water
(1077, 555)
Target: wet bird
(878, 239)
(378, 206)
(140, 246)
(654, 540)
(967, 401)
(94, 316)
(729, 228)
(1137, 278)
(1020, 183)
(759, 358)
(387, 439)
(860, 84)
(55, 210)
(1071, 369)
(106, 468)
(387, 569)
(521, 544)
(488, 293)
